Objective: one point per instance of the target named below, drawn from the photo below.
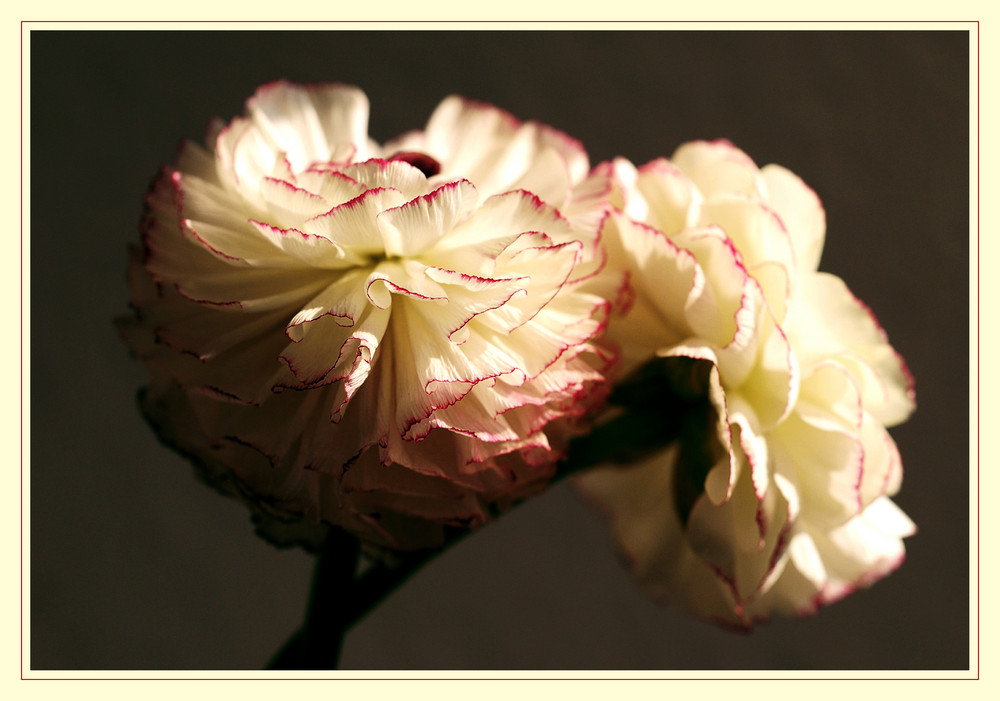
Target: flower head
(775, 497)
(388, 339)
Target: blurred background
(136, 565)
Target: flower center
(373, 259)
(427, 165)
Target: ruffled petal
(801, 213)
(353, 225)
(782, 465)
(717, 167)
(672, 199)
(830, 321)
(311, 123)
(433, 348)
(409, 229)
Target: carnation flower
(775, 496)
(391, 339)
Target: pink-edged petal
(207, 332)
(807, 560)
(289, 205)
(825, 462)
(651, 537)
(309, 123)
(343, 116)
(417, 225)
(539, 159)
(801, 212)
(352, 225)
(243, 246)
(245, 156)
(588, 205)
(541, 268)
(556, 330)
(547, 177)
(717, 167)
(203, 275)
(826, 565)
(333, 352)
(621, 175)
(414, 404)
(406, 277)
(462, 413)
(201, 200)
(671, 198)
(496, 151)
(496, 224)
(772, 382)
(285, 116)
(759, 236)
(471, 296)
(829, 388)
(396, 174)
(533, 346)
(443, 360)
(725, 306)
(830, 321)
(405, 483)
(723, 474)
(344, 300)
(334, 187)
(249, 289)
(244, 373)
(567, 380)
(869, 547)
(775, 284)
(570, 150)
(752, 443)
(883, 469)
(310, 250)
(665, 276)
(740, 540)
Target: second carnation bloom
(775, 496)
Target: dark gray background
(134, 564)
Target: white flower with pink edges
(392, 339)
(776, 496)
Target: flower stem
(339, 598)
(622, 439)
(316, 645)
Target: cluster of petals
(777, 498)
(390, 338)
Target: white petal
(397, 175)
(829, 321)
(800, 210)
(289, 205)
(353, 226)
(310, 250)
(285, 116)
(671, 197)
(717, 167)
(409, 229)
(760, 238)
